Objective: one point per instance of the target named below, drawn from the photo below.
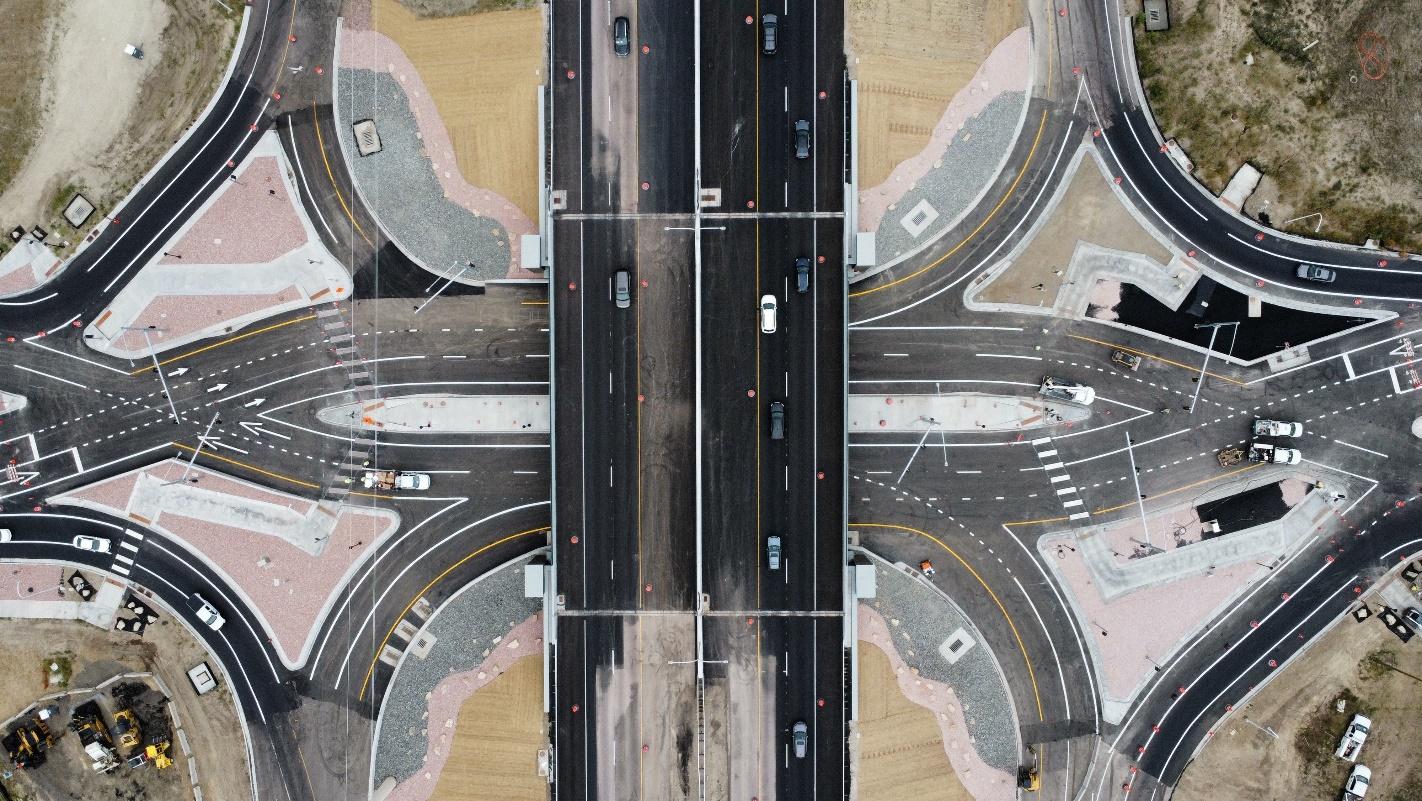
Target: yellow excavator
(126, 730)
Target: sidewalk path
(444, 414)
(34, 591)
(27, 265)
(249, 253)
(284, 555)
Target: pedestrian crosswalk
(1057, 474)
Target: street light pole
(1210, 349)
(156, 367)
(1140, 499)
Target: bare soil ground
(483, 71)
(1300, 706)
(1328, 110)
(1088, 212)
(901, 754)
(86, 116)
(496, 740)
(910, 58)
(167, 650)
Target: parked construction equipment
(87, 721)
(27, 743)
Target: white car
(1277, 428)
(95, 544)
(5, 535)
(767, 314)
(1358, 782)
(205, 612)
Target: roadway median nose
(958, 411)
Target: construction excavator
(87, 721)
(27, 743)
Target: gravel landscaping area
(467, 631)
(921, 621)
(953, 181)
(401, 188)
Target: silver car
(772, 552)
(802, 139)
(622, 289)
(800, 739)
(1313, 272)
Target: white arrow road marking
(256, 428)
(218, 388)
(251, 403)
(217, 443)
(178, 371)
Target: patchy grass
(1318, 736)
(454, 8)
(24, 41)
(1326, 108)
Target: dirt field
(907, 73)
(1300, 707)
(496, 740)
(89, 117)
(1089, 211)
(1328, 110)
(901, 756)
(167, 650)
(483, 71)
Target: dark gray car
(802, 139)
(777, 420)
(621, 36)
(802, 275)
(1313, 272)
(769, 31)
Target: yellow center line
(533, 303)
(207, 454)
(1161, 359)
(331, 176)
(1003, 202)
(1035, 522)
(1192, 484)
(759, 402)
(437, 579)
(228, 341)
(1031, 674)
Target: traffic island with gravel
(471, 640)
(285, 555)
(943, 664)
(415, 182)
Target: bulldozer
(152, 732)
(27, 743)
(126, 729)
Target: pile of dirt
(1320, 95)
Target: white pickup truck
(1066, 391)
(1353, 738)
(1277, 428)
(1273, 454)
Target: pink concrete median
(286, 556)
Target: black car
(802, 275)
(802, 139)
(777, 420)
(621, 36)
